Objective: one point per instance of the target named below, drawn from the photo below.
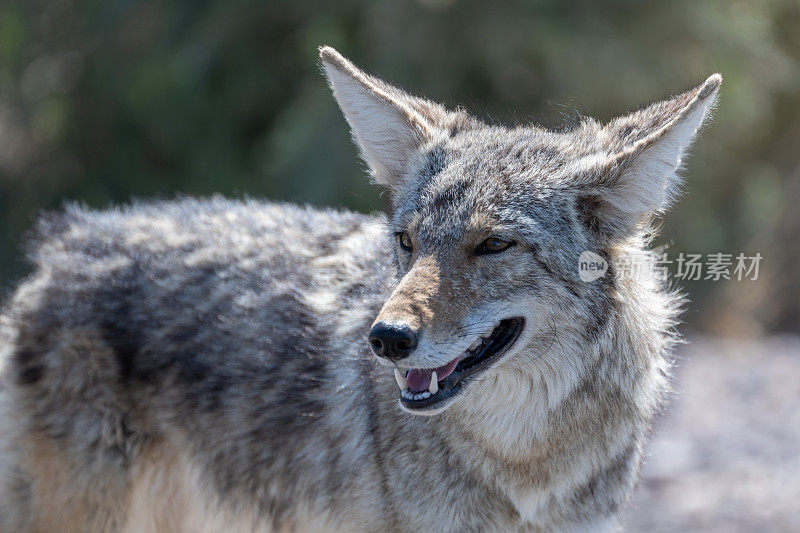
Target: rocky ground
(725, 456)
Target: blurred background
(105, 100)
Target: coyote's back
(179, 344)
(207, 365)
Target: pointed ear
(388, 125)
(637, 176)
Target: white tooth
(475, 345)
(401, 381)
(434, 386)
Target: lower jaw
(434, 403)
(452, 385)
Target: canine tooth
(434, 386)
(401, 381)
(474, 346)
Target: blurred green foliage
(104, 100)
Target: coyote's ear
(637, 176)
(388, 125)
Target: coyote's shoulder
(207, 365)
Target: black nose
(393, 341)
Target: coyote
(219, 365)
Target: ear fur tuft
(388, 125)
(639, 175)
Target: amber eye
(493, 245)
(405, 241)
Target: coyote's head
(489, 222)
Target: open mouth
(421, 388)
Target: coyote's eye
(493, 245)
(405, 241)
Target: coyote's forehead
(487, 181)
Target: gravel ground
(725, 456)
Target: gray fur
(203, 364)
